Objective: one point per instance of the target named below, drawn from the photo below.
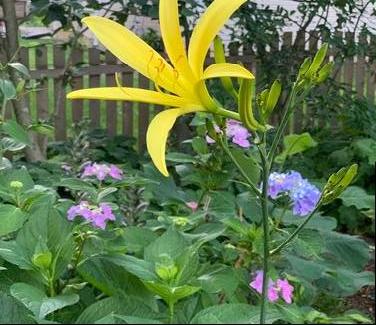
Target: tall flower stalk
(180, 84)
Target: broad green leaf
(13, 312)
(138, 267)
(234, 314)
(171, 243)
(113, 279)
(222, 205)
(136, 320)
(42, 128)
(107, 191)
(248, 164)
(11, 252)
(47, 225)
(20, 68)
(16, 131)
(181, 158)
(137, 238)
(171, 294)
(355, 195)
(10, 144)
(5, 164)
(11, 219)
(37, 302)
(76, 184)
(351, 251)
(7, 89)
(366, 148)
(317, 222)
(122, 305)
(295, 143)
(220, 279)
(250, 206)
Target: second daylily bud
(304, 68)
(317, 61)
(212, 133)
(325, 72)
(245, 107)
(273, 97)
(219, 57)
(338, 182)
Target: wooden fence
(92, 68)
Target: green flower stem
(171, 306)
(241, 170)
(226, 113)
(281, 129)
(265, 224)
(296, 232)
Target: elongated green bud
(325, 72)
(317, 60)
(245, 106)
(273, 97)
(219, 57)
(211, 130)
(304, 68)
(338, 182)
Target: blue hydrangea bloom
(303, 194)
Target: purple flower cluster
(276, 289)
(237, 133)
(303, 194)
(101, 171)
(98, 216)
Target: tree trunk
(12, 50)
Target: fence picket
(94, 82)
(60, 116)
(77, 105)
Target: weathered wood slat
(94, 82)
(143, 115)
(60, 117)
(111, 112)
(77, 105)
(128, 107)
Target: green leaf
(42, 128)
(137, 238)
(77, 185)
(181, 158)
(136, 320)
(8, 89)
(20, 68)
(11, 219)
(234, 314)
(338, 182)
(295, 143)
(366, 148)
(140, 268)
(37, 302)
(248, 164)
(250, 206)
(106, 192)
(16, 131)
(347, 250)
(124, 305)
(11, 252)
(171, 294)
(222, 205)
(10, 144)
(358, 197)
(317, 222)
(200, 146)
(12, 312)
(171, 243)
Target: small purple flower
(101, 171)
(237, 133)
(278, 289)
(192, 205)
(286, 290)
(98, 216)
(304, 195)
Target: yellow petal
(206, 29)
(133, 51)
(227, 70)
(172, 39)
(129, 94)
(158, 130)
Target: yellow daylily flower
(179, 84)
